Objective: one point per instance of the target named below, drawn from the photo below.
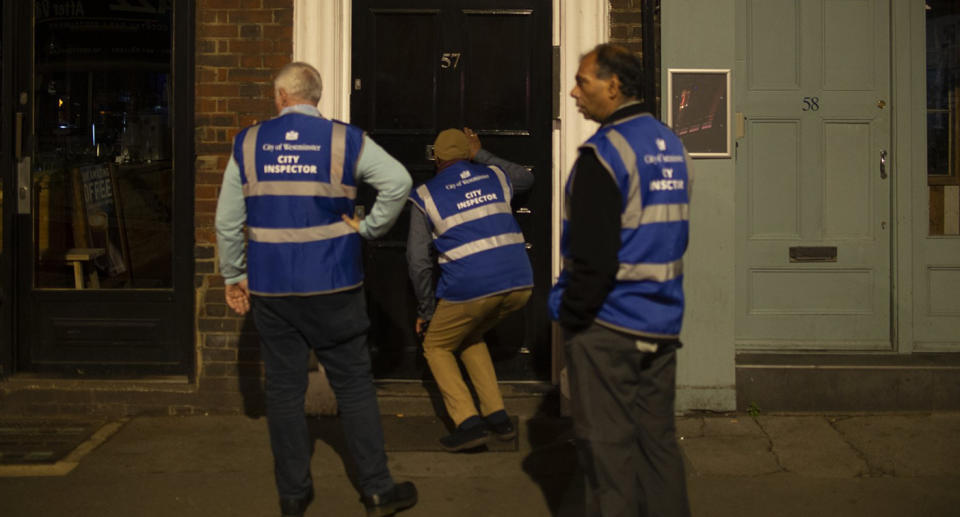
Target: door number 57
(811, 104)
(449, 60)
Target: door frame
(8, 298)
(179, 300)
(577, 27)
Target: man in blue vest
(619, 297)
(464, 219)
(292, 181)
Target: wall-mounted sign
(698, 110)
(103, 31)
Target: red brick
(220, 60)
(206, 105)
(206, 75)
(206, 46)
(251, 16)
(278, 33)
(213, 30)
(204, 219)
(210, 178)
(209, 16)
(219, 4)
(218, 90)
(245, 75)
(251, 46)
(204, 236)
(249, 120)
(251, 61)
(283, 16)
(213, 147)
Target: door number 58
(811, 104)
(449, 60)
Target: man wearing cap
(620, 296)
(292, 181)
(464, 219)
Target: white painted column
(578, 27)
(321, 37)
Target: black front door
(103, 235)
(426, 65)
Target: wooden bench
(77, 257)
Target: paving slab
(906, 445)
(791, 495)
(810, 446)
(725, 446)
(689, 427)
(222, 466)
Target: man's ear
(282, 95)
(613, 87)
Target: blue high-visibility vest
(648, 163)
(298, 175)
(480, 247)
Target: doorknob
(883, 164)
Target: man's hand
(474, 141)
(354, 221)
(238, 297)
(422, 327)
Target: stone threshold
(828, 382)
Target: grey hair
(300, 80)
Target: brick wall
(626, 28)
(240, 46)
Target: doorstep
(787, 382)
(33, 395)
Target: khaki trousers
(461, 325)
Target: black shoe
(400, 497)
(501, 425)
(469, 434)
(295, 507)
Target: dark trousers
(334, 326)
(622, 401)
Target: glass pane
(102, 167)
(943, 115)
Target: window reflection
(943, 115)
(102, 158)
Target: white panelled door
(813, 176)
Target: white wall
(699, 34)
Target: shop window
(103, 174)
(943, 115)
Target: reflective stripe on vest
(642, 271)
(442, 224)
(336, 188)
(313, 233)
(479, 245)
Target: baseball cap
(451, 144)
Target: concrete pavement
(769, 465)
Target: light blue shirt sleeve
(231, 216)
(383, 172)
